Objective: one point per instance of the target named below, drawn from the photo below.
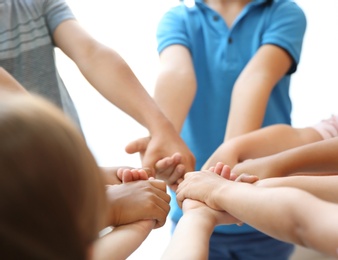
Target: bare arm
(106, 71)
(253, 88)
(316, 158)
(274, 211)
(192, 233)
(122, 241)
(176, 84)
(191, 237)
(262, 142)
(323, 187)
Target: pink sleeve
(328, 128)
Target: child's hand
(129, 174)
(171, 170)
(216, 216)
(138, 200)
(225, 171)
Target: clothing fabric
(328, 128)
(219, 54)
(251, 246)
(27, 48)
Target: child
(53, 200)
(225, 70)
(30, 30)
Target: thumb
(159, 184)
(244, 177)
(139, 145)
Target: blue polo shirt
(219, 54)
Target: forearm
(190, 239)
(113, 78)
(176, 84)
(268, 210)
(253, 88)
(274, 139)
(315, 157)
(275, 212)
(109, 74)
(323, 187)
(122, 241)
(246, 111)
(270, 140)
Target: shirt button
(215, 18)
(229, 40)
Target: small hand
(138, 200)
(225, 171)
(219, 217)
(128, 175)
(161, 145)
(171, 170)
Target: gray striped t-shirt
(27, 49)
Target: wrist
(202, 219)
(160, 125)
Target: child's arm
(323, 187)
(253, 88)
(192, 233)
(285, 213)
(275, 211)
(112, 77)
(122, 241)
(314, 158)
(262, 142)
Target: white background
(129, 27)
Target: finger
(139, 145)
(159, 184)
(177, 158)
(179, 199)
(218, 168)
(179, 180)
(233, 176)
(144, 174)
(120, 173)
(177, 174)
(247, 178)
(164, 163)
(225, 172)
(161, 221)
(149, 171)
(127, 176)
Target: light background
(129, 27)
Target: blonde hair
(52, 198)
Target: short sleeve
(172, 29)
(56, 11)
(286, 29)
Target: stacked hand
(202, 186)
(137, 198)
